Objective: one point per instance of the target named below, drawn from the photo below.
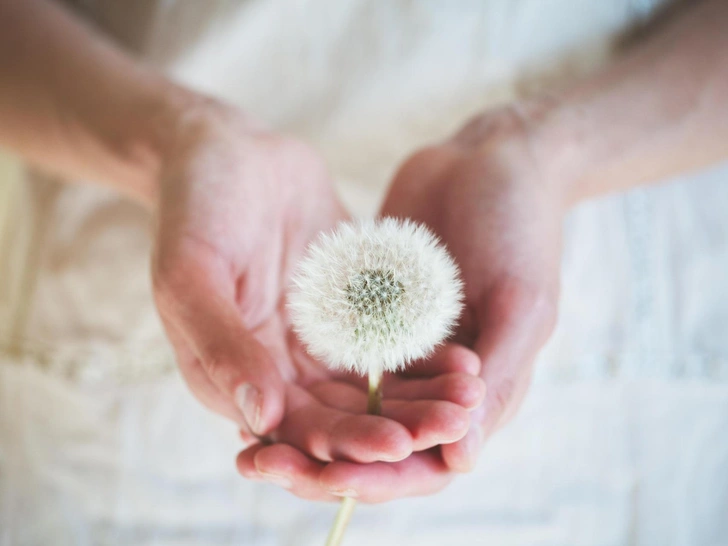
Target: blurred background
(622, 439)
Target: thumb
(513, 322)
(199, 299)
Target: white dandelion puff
(375, 295)
(370, 297)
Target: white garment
(622, 439)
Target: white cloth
(622, 439)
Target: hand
(485, 194)
(431, 400)
(237, 206)
(495, 201)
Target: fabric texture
(622, 438)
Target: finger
(248, 438)
(462, 389)
(429, 422)
(302, 473)
(462, 456)
(450, 358)
(199, 383)
(426, 167)
(195, 290)
(327, 433)
(286, 467)
(245, 463)
(515, 322)
(421, 473)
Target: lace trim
(108, 365)
(650, 355)
(91, 363)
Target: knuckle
(317, 445)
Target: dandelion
(375, 294)
(371, 297)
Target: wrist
(189, 126)
(541, 146)
(122, 140)
(148, 139)
(559, 148)
(519, 143)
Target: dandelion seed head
(375, 293)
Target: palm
(489, 205)
(482, 193)
(236, 212)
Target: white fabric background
(623, 437)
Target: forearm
(660, 111)
(74, 104)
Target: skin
(236, 204)
(497, 193)
(237, 207)
(511, 295)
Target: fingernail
(344, 493)
(388, 457)
(277, 479)
(247, 398)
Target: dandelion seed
(375, 293)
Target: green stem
(374, 402)
(346, 509)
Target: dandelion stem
(374, 402)
(346, 509)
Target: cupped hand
(492, 199)
(431, 401)
(496, 202)
(237, 207)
